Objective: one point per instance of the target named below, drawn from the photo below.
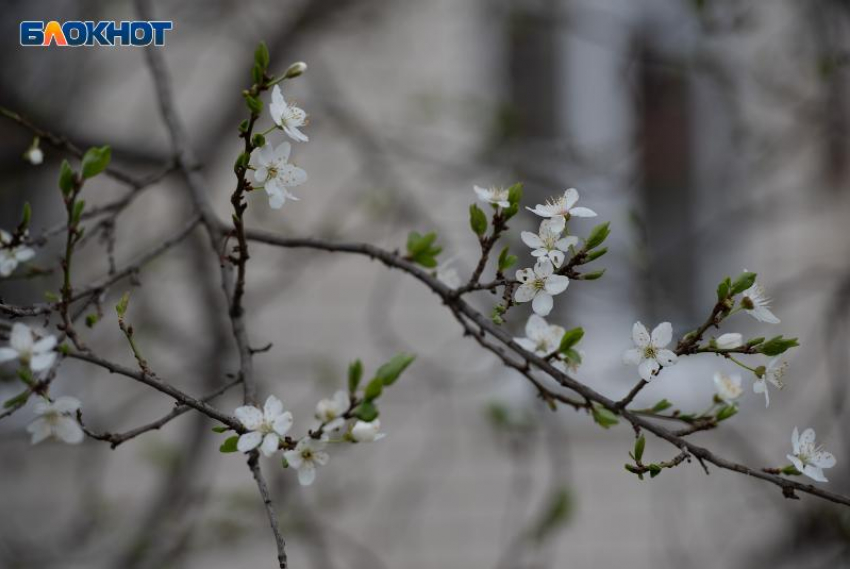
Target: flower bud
(730, 341)
(296, 69)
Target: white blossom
(730, 341)
(494, 194)
(539, 285)
(272, 170)
(265, 428)
(728, 386)
(569, 365)
(56, 420)
(756, 302)
(772, 373)
(650, 353)
(548, 243)
(364, 432)
(808, 458)
(540, 337)
(330, 411)
(308, 454)
(287, 116)
(10, 257)
(34, 155)
(32, 351)
(561, 209)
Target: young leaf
(661, 406)
(261, 56)
(723, 289)
(597, 235)
(726, 411)
(593, 276)
(67, 178)
(593, 255)
(95, 161)
(777, 345)
(604, 418)
(121, 307)
(640, 445)
(744, 281)
(571, 338)
(229, 445)
(390, 371)
(366, 412)
(654, 470)
(373, 389)
(506, 260)
(355, 374)
(477, 220)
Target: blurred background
(712, 134)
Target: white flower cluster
(272, 169)
(267, 428)
(11, 256)
(34, 352)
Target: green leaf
(726, 411)
(17, 400)
(506, 260)
(515, 194)
(27, 214)
(790, 470)
(373, 389)
(421, 249)
(390, 371)
(661, 406)
(603, 417)
(67, 178)
(255, 105)
(77, 212)
(229, 445)
(597, 235)
(654, 470)
(355, 374)
(256, 74)
(121, 307)
(220, 429)
(723, 289)
(593, 255)
(595, 275)
(258, 140)
(95, 161)
(261, 56)
(366, 411)
(777, 345)
(573, 356)
(91, 320)
(744, 281)
(571, 338)
(477, 220)
(640, 445)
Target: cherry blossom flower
(561, 209)
(730, 341)
(539, 285)
(272, 170)
(728, 387)
(307, 455)
(494, 195)
(364, 432)
(772, 373)
(10, 257)
(548, 243)
(808, 458)
(650, 353)
(265, 428)
(56, 419)
(287, 116)
(756, 302)
(541, 338)
(33, 351)
(330, 411)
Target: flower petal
(525, 275)
(543, 268)
(41, 362)
(270, 444)
(8, 354)
(66, 404)
(282, 423)
(249, 441)
(814, 473)
(666, 357)
(662, 334)
(39, 429)
(293, 457)
(524, 293)
(306, 474)
(807, 437)
(68, 430)
(640, 335)
(45, 344)
(648, 368)
(250, 417)
(823, 459)
(556, 284)
(536, 327)
(272, 408)
(531, 239)
(542, 304)
(633, 356)
(582, 212)
(570, 198)
(21, 337)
